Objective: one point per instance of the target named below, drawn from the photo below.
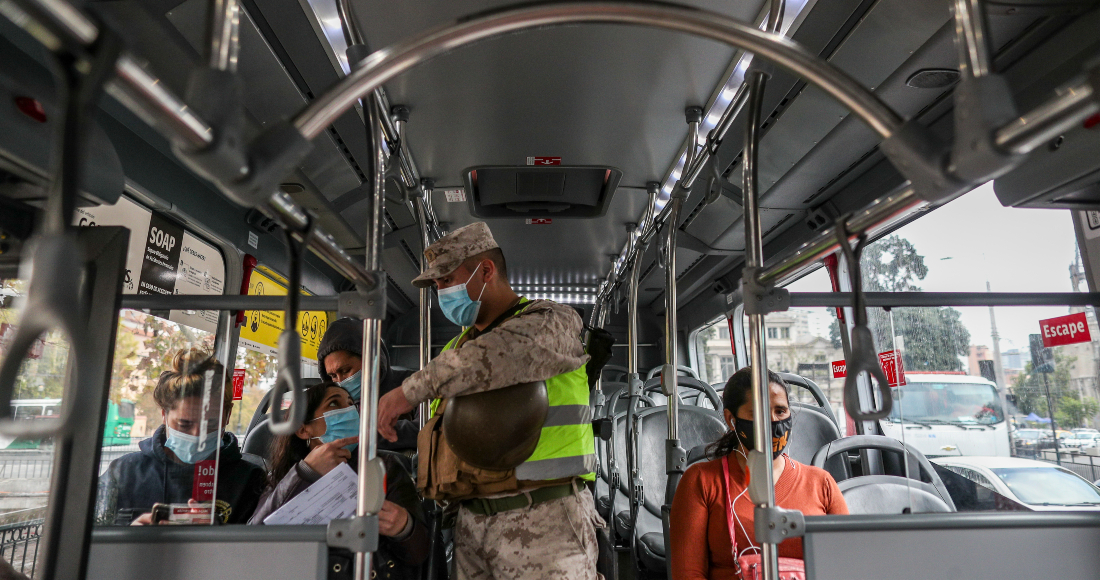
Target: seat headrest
(888, 494)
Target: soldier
(537, 520)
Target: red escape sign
(1069, 329)
(891, 365)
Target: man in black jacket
(339, 359)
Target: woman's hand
(392, 519)
(325, 458)
(145, 519)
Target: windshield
(1048, 486)
(964, 403)
(1027, 434)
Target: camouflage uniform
(553, 539)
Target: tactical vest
(566, 446)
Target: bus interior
(878, 199)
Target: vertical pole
(762, 477)
(368, 498)
(223, 34)
(971, 38)
(1053, 426)
(669, 380)
(425, 297)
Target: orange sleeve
(688, 528)
(835, 504)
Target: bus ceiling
(599, 94)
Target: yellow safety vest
(567, 446)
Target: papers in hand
(329, 498)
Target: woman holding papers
(325, 441)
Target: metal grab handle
(53, 302)
(56, 259)
(289, 378)
(863, 358)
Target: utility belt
(482, 506)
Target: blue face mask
(186, 447)
(353, 385)
(457, 305)
(339, 424)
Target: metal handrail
(387, 63)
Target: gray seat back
(697, 427)
(920, 469)
(692, 392)
(889, 494)
(811, 430)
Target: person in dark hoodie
(328, 438)
(339, 359)
(163, 471)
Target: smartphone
(181, 514)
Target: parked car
(1039, 485)
(1080, 439)
(1031, 441)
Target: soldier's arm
(540, 343)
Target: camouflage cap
(448, 252)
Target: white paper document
(329, 498)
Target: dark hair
(187, 378)
(495, 255)
(287, 450)
(738, 392)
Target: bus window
(714, 352)
(257, 351)
(144, 425)
(974, 397)
(26, 464)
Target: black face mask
(781, 431)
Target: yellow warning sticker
(261, 328)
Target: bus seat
(616, 372)
(258, 441)
(697, 454)
(811, 430)
(921, 472)
(798, 381)
(680, 370)
(692, 392)
(256, 460)
(698, 426)
(889, 494)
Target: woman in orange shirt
(700, 508)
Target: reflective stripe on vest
(567, 445)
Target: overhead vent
(559, 191)
(933, 78)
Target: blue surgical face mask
(186, 446)
(353, 384)
(339, 424)
(457, 305)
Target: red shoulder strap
(729, 505)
